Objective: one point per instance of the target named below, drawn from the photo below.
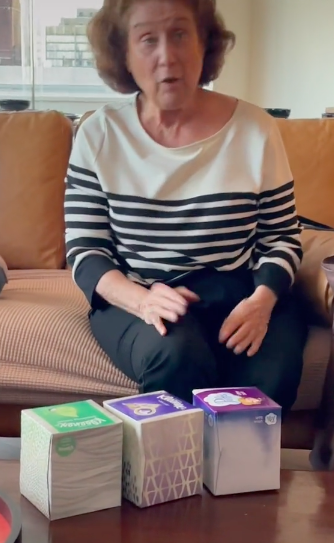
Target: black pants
(189, 356)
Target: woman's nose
(166, 51)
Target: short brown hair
(108, 38)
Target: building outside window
(67, 44)
(45, 56)
(10, 33)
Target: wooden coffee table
(302, 510)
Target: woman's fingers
(243, 345)
(180, 295)
(160, 327)
(246, 339)
(239, 336)
(243, 341)
(169, 305)
(153, 318)
(168, 292)
(166, 304)
(176, 300)
(236, 319)
(257, 342)
(162, 312)
(189, 295)
(230, 326)
(255, 346)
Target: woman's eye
(179, 34)
(150, 40)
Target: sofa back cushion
(310, 147)
(34, 153)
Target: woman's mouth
(170, 82)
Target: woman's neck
(150, 113)
(165, 125)
(206, 115)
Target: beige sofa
(47, 354)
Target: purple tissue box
(162, 447)
(242, 440)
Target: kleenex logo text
(173, 401)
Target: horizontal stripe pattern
(160, 239)
(278, 230)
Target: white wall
(234, 78)
(292, 55)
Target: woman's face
(165, 54)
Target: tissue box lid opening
(73, 417)
(150, 406)
(224, 400)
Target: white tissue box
(242, 440)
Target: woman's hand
(165, 303)
(246, 326)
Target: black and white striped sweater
(156, 213)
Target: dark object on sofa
(279, 113)
(14, 105)
(72, 116)
(322, 455)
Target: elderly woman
(181, 226)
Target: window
(45, 55)
(15, 70)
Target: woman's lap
(191, 357)
(174, 363)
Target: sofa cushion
(311, 282)
(34, 153)
(47, 353)
(46, 344)
(310, 147)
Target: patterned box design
(34, 463)
(162, 450)
(242, 440)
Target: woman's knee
(178, 362)
(282, 383)
(176, 350)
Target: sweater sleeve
(90, 250)
(278, 250)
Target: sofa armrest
(311, 281)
